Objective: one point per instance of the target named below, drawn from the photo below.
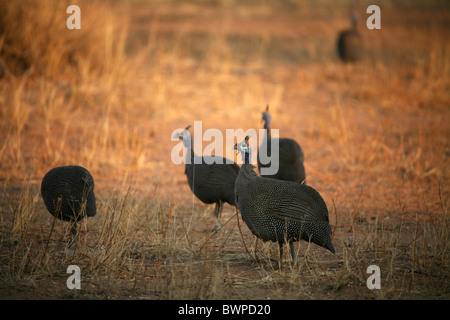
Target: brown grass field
(376, 138)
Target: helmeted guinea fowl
(290, 159)
(68, 193)
(350, 44)
(282, 211)
(210, 178)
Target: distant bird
(68, 194)
(210, 182)
(282, 211)
(350, 43)
(291, 157)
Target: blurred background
(374, 132)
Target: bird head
(324, 240)
(264, 113)
(242, 146)
(183, 134)
(266, 118)
(354, 18)
(330, 247)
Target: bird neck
(266, 118)
(247, 157)
(189, 144)
(247, 172)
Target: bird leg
(217, 214)
(291, 246)
(280, 246)
(294, 261)
(255, 245)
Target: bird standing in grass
(350, 43)
(282, 211)
(68, 193)
(290, 157)
(211, 179)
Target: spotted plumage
(68, 194)
(212, 180)
(74, 185)
(282, 211)
(290, 157)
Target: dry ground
(375, 136)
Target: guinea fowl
(350, 44)
(281, 211)
(290, 159)
(68, 193)
(210, 178)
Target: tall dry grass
(107, 97)
(66, 87)
(35, 40)
(142, 248)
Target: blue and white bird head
(184, 136)
(244, 148)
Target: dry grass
(107, 97)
